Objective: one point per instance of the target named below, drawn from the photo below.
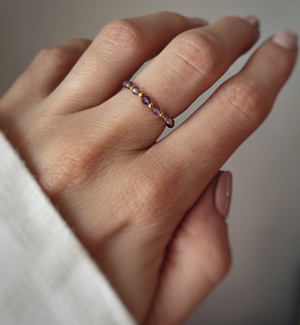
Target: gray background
(263, 286)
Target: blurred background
(263, 286)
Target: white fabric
(46, 276)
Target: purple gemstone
(146, 100)
(127, 84)
(166, 118)
(156, 110)
(135, 90)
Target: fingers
(117, 52)
(194, 61)
(189, 65)
(44, 74)
(205, 141)
(198, 256)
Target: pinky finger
(49, 67)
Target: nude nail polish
(286, 39)
(252, 20)
(222, 195)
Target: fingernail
(223, 193)
(198, 22)
(286, 39)
(252, 20)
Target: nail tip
(223, 193)
(252, 20)
(286, 38)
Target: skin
(144, 210)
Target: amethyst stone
(166, 118)
(135, 90)
(127, 84)
(156, 110)
(146, 100)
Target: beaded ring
(147, 101)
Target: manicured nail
(252, 20)
(286, 39)
(198, 22)
(223, 193)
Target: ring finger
(187, 67)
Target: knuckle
(151, 199)
(76, 160)
(245, 103)
(121, 33)
(197, 53)
(66, 165)
(56, 56)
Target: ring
(147, 101)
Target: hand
(139, 206)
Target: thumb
(198, 256)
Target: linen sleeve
(46, 275)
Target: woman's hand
(139, 206)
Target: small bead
(156, 110)
(170, 123)
(166, 118)
(127, 84)
(146, 100)
(135, 90)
